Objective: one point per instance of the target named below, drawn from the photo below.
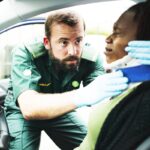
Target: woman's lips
(107, 51)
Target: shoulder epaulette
(37, 49)
(90, 52)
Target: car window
(11, 38)
(98, 24)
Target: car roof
(15, 11)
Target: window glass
(11, 38)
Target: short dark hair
(70, 18)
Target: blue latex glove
(102, 87)
(139, 50)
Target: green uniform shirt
(32, 69)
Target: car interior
(22, 14)
(19, 13)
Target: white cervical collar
(124, 62)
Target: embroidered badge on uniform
(75, 84)
(44, 84)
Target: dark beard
(60, 65)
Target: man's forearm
(40, 106)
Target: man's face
(124, 30)
(65, 45)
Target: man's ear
(46, 43)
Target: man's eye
(64, 43)
(78, 41)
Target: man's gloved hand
(139, 50)
(104, 86)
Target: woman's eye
(116, 33)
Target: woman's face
(124, 30)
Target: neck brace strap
(138, 73)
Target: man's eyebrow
(63, 39)
(66, 39)
(80, 37)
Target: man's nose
(72, 50)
